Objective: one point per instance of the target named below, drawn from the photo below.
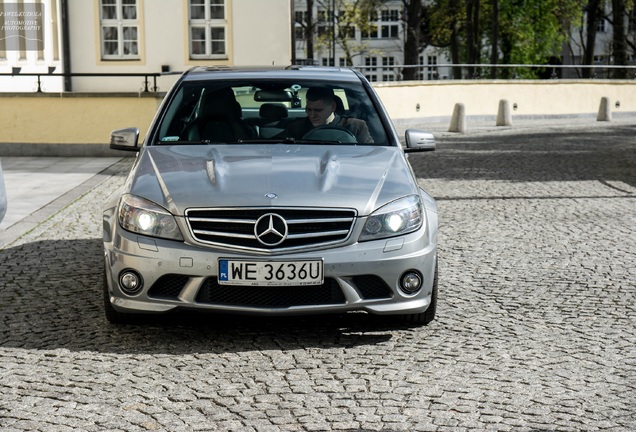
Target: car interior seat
(218, 119)
(273, 117)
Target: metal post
(333, 32)
(293, 32)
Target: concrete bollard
(458, 120)
(604, 113)
(504, 116)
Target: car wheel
(113, 316)
(428, 315)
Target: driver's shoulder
(350, 121)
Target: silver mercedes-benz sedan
(271, 191)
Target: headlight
(396, 218)
(144, 217)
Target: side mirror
(124, 139)
(419, 141)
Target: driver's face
(320, 112)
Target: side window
(180, 113)
(342, 101)
(119, 29)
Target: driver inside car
(321, 111)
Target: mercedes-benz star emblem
(270, 229)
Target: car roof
(318, 73)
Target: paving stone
(535, 329)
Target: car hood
(179, 177)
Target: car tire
(113, 316)
(428, 315)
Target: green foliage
(351, 15)
(530, 31)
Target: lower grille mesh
(328, 293)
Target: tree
(473, 35)
(630, 38)
(619, 37)
(305, 18)
(413, 37)
(502, 31)
(594, 14)
(445, 29)
(494, 41)
(337, 23)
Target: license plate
(270, 273)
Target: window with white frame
(600, 25)
(371, 63)
(327, 61)
(389, 31)
(387, 68)
(431, 70)
(385, 25)
(301, 17)
(299, 33)
(420, 70)
(389, 24)
(370, 70)
(207, 29)
(300, 21)
(372, 31)
(119, 29)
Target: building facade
(377, 50)
(53, 37)
(140, 37)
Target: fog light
(130, 282)
(411, 282)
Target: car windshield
(267, 111)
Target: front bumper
(358, 277)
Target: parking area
(536, 327)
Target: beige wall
(89, 118)
(263, 32)
(533, 98)
(72, 119)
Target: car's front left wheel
(113, 316)
(428, 315)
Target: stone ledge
(62, 150)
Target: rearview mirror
(273, 96)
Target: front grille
(372, 287)
(329, 293)
(168, 286)
(306, 227)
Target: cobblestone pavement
(536, 327)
